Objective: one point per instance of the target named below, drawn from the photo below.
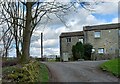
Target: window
(100, 50)
(80, 40)
(93, 50)
(68, 39)
(97, 34)
(109, 31)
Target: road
(82, 71)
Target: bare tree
(10, 12)
(6, 39)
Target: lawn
(112, 66)
(34, 71)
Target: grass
(44, 75)
(34, 71)
(51, 60)
(112, 66)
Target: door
(65, 56)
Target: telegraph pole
(42, 46)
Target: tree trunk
(26, 34)
(6, 53)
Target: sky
(104, 13)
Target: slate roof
(102, 27)
(72, 34)
(90, 28)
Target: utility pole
(42, 46)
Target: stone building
(67, 40)
(104, 38)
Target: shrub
(78, 51)
(26, 73)
(19, 75)
(87, 51)
(82, 51)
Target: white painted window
(80, 40)
(68, 39)
(97, 34)
(93, 50)
(100, 50)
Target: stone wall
(103, 56)
(66, 47)
(108, 40)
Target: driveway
(82, 71)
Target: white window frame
(68, 39)
(80, 40)
(93, 50)
(101, 50)
(97, 34)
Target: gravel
(81, 71)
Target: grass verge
(32, 72)
(44, 76)
(112, 66)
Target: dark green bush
(82, 51)
(87, 51)
(78, 51)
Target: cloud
(35, 44)
(90, 19)
(57, 1)
(12, 52)
(107, 8)
(35, 52)
(35, 37)
(51, 43)
(115, 20)
(51, 51)
(109, 0)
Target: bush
(82, 51)
(19, 75)
(87, 51)
(26, 73)
(78, 51)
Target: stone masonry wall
(66, 47)
(108, 41)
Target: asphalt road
(82, 71)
